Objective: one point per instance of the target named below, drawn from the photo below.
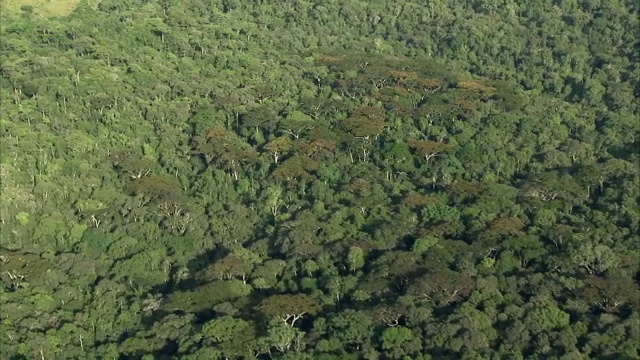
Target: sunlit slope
(45, 8)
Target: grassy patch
(46, 8)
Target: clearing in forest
(46, 8)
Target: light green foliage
(399, 342)
(274, 200)
(76, 232)
(89, 205)
(80, 142)
(23, 218)
(355, 258)
(423, 244)
(207, 296)
(148, 151)
(223, 329)
(352, 327)
(546, 319)
(594, 258)
(437, 213)
(281, 337)
(488, 262)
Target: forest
(319, 180)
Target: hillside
(320, 180)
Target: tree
(234, 103)
(377, 73)
(295, 124)
(353, 328)
(365, 122)
(355, 258)
(175, 328)
(300, 237)
(162, 190)
(278, 147)
(227, 268)
(225, 331)
(288, 308)
(612, 292)
(442, 287)
(274, 200)
(267, 274)
(320, 149)
(596, 259)
(546, 316)
(428, 149)
(397, 156)
(399, 342)
(135, 167)
(295, 169)
(526, 248)
(551, 185)
(225, 149)
(259, 119)
(282, 337)
(502, 227)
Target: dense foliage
(310, 179)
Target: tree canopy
(320, 180)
